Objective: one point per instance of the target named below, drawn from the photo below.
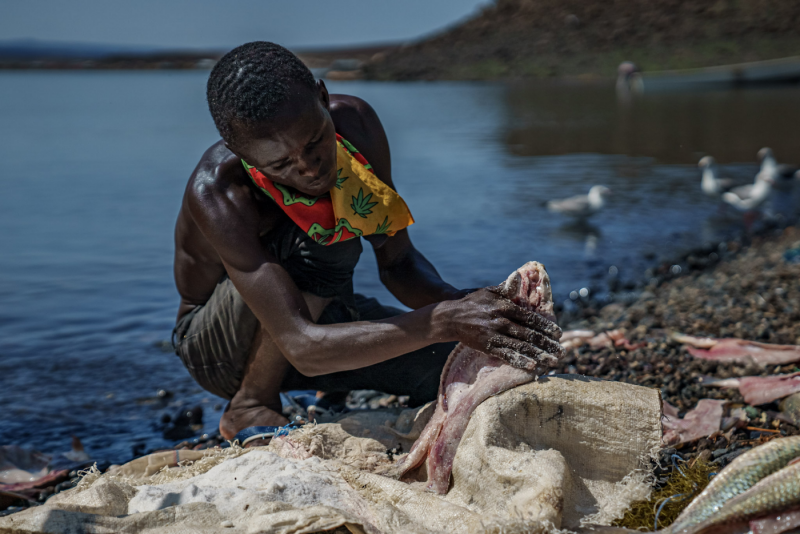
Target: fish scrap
(738, 350)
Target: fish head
(529, 288)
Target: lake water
(93, 166)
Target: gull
(710, 184)
(581, 206)
(783, 174)
(749, 197)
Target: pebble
(720, 452)
(726, 458)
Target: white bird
(748, 197)
(629, 79)
(710, 183)
(783, 174)
(581, 206)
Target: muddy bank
(546, 38)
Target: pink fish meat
(763, 389)
(777, 522)
(469, 377)
(739, 350)
(701, 422)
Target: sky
(217, 24)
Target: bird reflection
(581, 231)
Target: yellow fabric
(389, 210)
(358, 205)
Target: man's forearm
(415, 282)
(333, 348)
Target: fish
(469, 377)
(741, 475)
(776, 492)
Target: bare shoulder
(216, 172)
(359, 123)
(219, 196)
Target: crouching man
(267, 238)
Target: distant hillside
(543, 38)
(36, 49)
(35, 54)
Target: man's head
(271, 112)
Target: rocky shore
(747, 289)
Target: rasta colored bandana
(358, 205)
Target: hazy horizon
(205, 25)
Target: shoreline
(716, 294)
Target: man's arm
(410, 276)
(228, 217)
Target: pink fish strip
(741, 350)
(777, 522)
(469, 377)
(701, 422)
(763, 389)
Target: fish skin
(779, 491)
(742, 473)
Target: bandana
(358, 205)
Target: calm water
(93, 165)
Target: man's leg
(257, 402)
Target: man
(267, 301)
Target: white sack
(553, 453)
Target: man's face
(298, 147)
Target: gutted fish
(469, 377)
(741, 475)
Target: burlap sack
(554, 453)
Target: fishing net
(554, 454)
(665, 504)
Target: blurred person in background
(267, 240)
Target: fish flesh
(743, 473)
(469, 377)
(739, 350)
(698, 423)
(776, 523)
(763, 389)
(776, 492)
(576, 338)
(608, 339)
(759, 389)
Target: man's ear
(324, 97)
(232, 149)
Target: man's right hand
(491, 323)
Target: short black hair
(251, 82)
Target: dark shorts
(214, 342)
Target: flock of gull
(750, 196)
(744, 197)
